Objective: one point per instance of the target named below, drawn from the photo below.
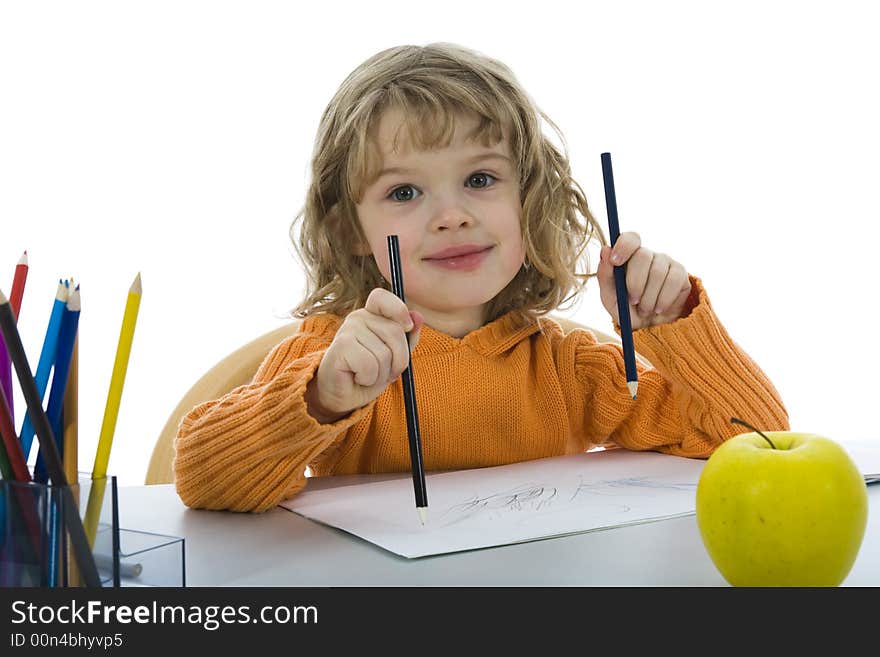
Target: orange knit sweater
(498, 395)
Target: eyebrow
(477, 158)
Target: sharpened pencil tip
(136, 285)
(23, 260)
(423, 514)
(74, 301)
(633, 387)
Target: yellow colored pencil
(69, 454)
(70, 413)
(111, 411)
(120, 365)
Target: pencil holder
(147, 559)
(36, 549)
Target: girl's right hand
(368, 352)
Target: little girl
(441, 146)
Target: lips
(461, 258)
(458, 251)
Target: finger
(674, 287)
(638, 270)
(359, 360)
(381, 352)
(387, 304)
(416, 333)
(681, 299)
(625, 246)
(394, 338)
(607, 287)
(658, 271)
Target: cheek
(518, 256)
(379, 244)
(518, 247)
(376, 241)
(381, 258)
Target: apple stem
(746, 424)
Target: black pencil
(626, 335)
(48, 448)
(409, 394)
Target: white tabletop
(281, 548)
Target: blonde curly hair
(432, 85)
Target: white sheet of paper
(471, 509)
(485, 507)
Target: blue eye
(403, 193)
(480, 180)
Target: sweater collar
(492, 339)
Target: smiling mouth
(465, 261)
(452, 255)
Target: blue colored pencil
(66, 338)
(47, 360)
(64, 353)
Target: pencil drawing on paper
(618, 487)
(535, 498)
(503, 505)
(527, 496)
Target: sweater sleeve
(248, 450)
(700, 379)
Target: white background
(173, 139)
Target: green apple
(790, 514)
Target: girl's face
(456, 212)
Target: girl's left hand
(658, 286)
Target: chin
(464, 297)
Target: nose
(450, 214)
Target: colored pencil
(111, 410)
(70, 416)
(14, 469)
(70, 453)
(18, 281)
(626, 333)
(117, 379)
(5, 466)
(85, 559)
(409, 394)
(12, 463)
(55, 406)
(5, 372)
(11, 447)
(66, 338)
(70, 450)
(18, 471)
(47, 360)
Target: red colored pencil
(18, 281)
(10, 440)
